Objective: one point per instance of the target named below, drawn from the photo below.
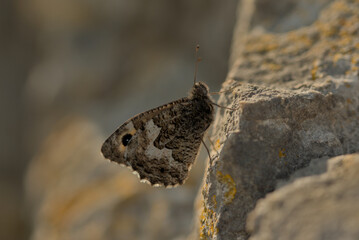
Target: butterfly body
(162, 144)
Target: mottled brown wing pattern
(162, 144)
(113, 148)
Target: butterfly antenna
(196, 64)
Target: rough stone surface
(297, 100)
(316, 166)
(285, 15)
(316, 207)
(327, 48)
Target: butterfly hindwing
(162, 144)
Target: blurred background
(71, 72)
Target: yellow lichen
(336, 57)
(354, 59)
(298, 42)
(272, 66)
(326, 29)
(229, 186)
(347, 85)
(281, 153)
(340, 6)
(314, 70)
(217, 145)
(214, 201)
(208, 223)
(263, 44)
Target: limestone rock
(316, 207)
(295, 99)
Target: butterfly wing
(161, 144)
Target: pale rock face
(315, 207)
(298, 103)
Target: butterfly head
(199, 89)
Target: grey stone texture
(316, 207)
(295, 103)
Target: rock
(295, 99)
(285, 15)
(316, 207)
(316, 166)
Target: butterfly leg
(209, 154)
(215, 104)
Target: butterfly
(161, 144)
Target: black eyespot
(126, 139)
(162, 170)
